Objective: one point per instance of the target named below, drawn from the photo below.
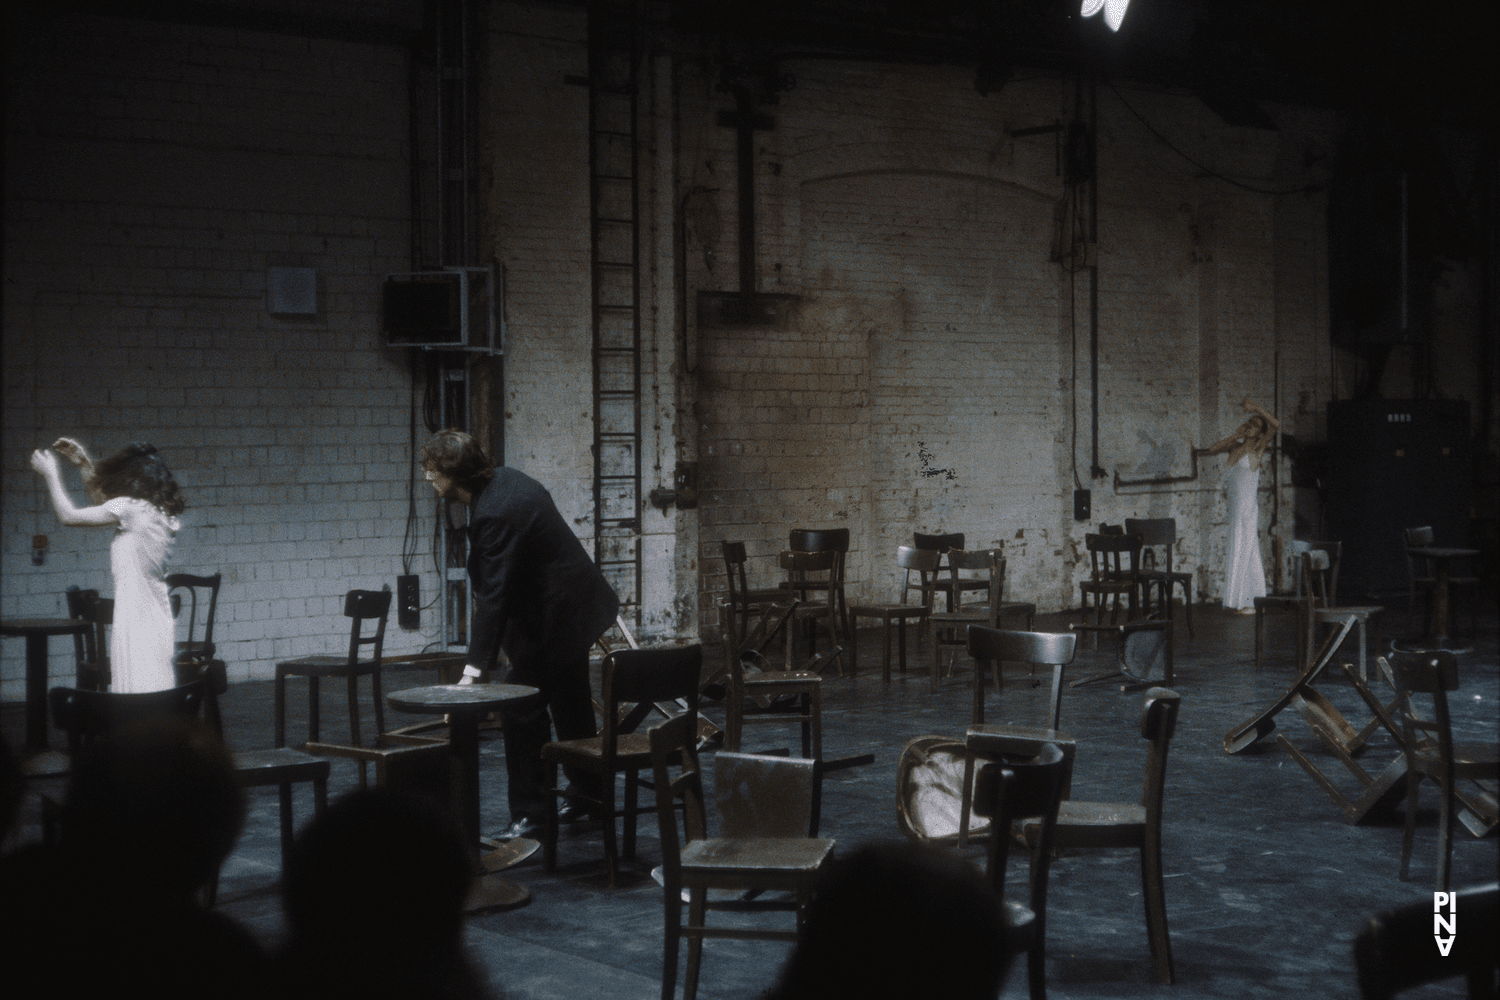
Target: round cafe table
(37, 631)
(464, 704)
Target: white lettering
(1441, 924)
(1445, 946)
(1445, 924)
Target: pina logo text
(1445, 920)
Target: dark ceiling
(1422, 58)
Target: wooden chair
(1427, 744)
(757, 694)
(1143, 651)
(1422, 576)
(1320, 581)
(768, 808)
(835, 540)
(994, 741)
(1125, 825)
(943, 582)
(809, 574)
(634, 681)
(1007, 792)
(948, 627)
(1398, 951)
(200, 595)
(91, 649)
(364, 609)
(1114, 572)
(909, 560)
(1157, 575)
(744, 600)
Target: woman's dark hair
(458, 456)
(137, 470)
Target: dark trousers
(565, 694)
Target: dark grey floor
(1266, 883)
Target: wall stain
(925, 457)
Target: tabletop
(1441, 553)
(439, 699)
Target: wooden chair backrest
(1320, 573)
(1434, 673)
(1113, 557)
(924, 563)
(763, 796)
(938, 543)
(186, 586)
(361, 606)
(1155, 532)
(87, 716)
(734, 570)
(91, 648)
(1055, 649)
(1158, 724)
(989, 561)
(642, 677)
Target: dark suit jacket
(537, 594)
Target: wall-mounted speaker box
(292, 291)
(1394, 464)
(421, 309)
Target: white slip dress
(1244, 573)
(143, 637)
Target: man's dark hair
(458, 456)
(137, 470)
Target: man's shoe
(571, 812)
(528, 827)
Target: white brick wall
(154, 172)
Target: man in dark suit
(536, 595)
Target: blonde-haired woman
(1244, 573)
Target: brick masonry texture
(930, 370)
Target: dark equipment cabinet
(1394, 464)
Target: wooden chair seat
(767, 809)
(633, 682)
(756, 696)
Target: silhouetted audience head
(162, 796)
(899, 920)
(374, 892)
(151, 813)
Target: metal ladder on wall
(614, 210)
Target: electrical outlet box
(408, 602)
(1082, 505)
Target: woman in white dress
(1244, 573)
(134, 491)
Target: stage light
(1114, 11)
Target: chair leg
(314, 717)
(1445, 836)
(696, 913)
(280, 707)
(284, 796)
(1409, 830)
(1154, 893)
(354, 726)
(815, 709)
(608, 814)
(632, 805)
(1260, 632)
(671, 939)
(1036, 963)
